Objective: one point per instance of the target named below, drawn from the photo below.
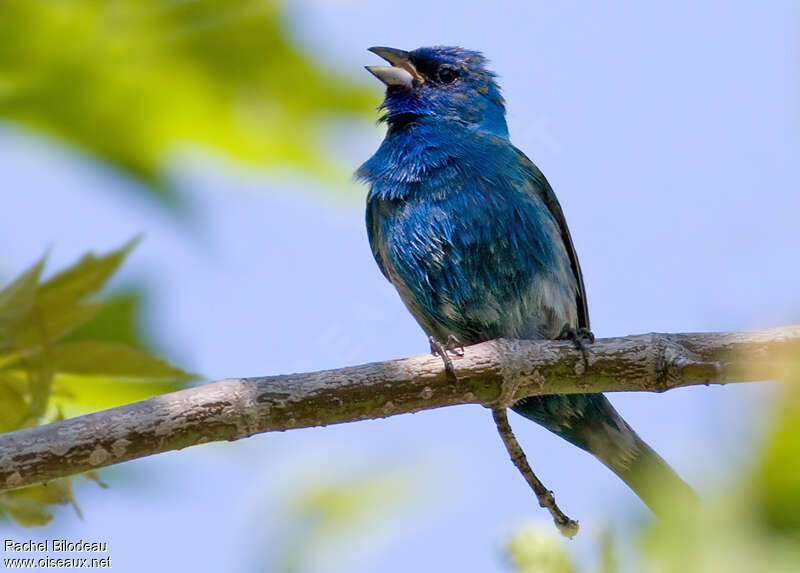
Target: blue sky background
(671, 137)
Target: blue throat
(485, 114)
(417, 146)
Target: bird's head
(442, 83)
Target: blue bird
(471, 235)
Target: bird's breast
(476, 262)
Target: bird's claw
(580, 337)
(453, 345)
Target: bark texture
(495, 374)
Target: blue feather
(471, 234)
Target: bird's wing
(547, 195)
(372, 235)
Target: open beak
(401, 72)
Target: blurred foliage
(751, 525)
(778, 479)
(134, 84)
(532, 549)
(336, 525)
(62, 350)
(129, 82)
(118, 321)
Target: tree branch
(494, 374)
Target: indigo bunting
(471, 235)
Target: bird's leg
(453, 345)
(439, 349)
(580, 337)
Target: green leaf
(113, 360)
(118, 321)
(18, 297)
(56, 491)
(41, 377)
(25, 511)
(82, 279)
(59, 306)
(17, 300)
(533, 549)
(13, 406)
(131, 82)
(325, 514)
(29, 506)
(41, 373)
(778, 480)
(51, 324)
(80, 394)
(94, 475)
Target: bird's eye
(447, 74)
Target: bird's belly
(476, 311)
(478, 288)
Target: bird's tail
(590, 422)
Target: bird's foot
(581, 338)
(439, 348)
